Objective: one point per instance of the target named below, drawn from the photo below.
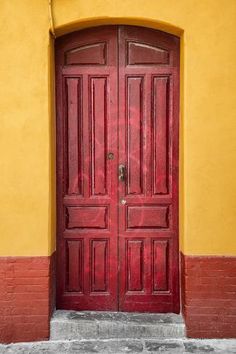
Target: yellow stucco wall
(208, 116)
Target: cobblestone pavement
(183, 346)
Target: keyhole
(110, 156)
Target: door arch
(117, 169)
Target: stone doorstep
(119, 332)
(72, 325)
(115, 346)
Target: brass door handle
(122, 173)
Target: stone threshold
(72, 325)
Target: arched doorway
(117, 170)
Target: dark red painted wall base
(209, 296)
(26, 298)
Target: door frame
(59, 137)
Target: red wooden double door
(117, 170)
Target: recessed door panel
(134, 255)
(74, 100)
(160, 265)
(92, 54)
(98, 106)
(75, 266)
(134, 134)
(148, 217)
(160, 129)
(117, 170)
(100, 268)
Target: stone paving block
(163, 347)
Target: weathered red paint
(117, 104)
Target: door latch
(121, 173)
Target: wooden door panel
(97, 103)
(135, 265)
(87, 179)
(148, 146)
(99, 265)
(159, 253)
(147, 217)
(74, 271)
(73, 91)
(134, 135)
(160, 134)
(85, 217)
(92, 54)
(143, 54)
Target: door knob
(121, 173)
